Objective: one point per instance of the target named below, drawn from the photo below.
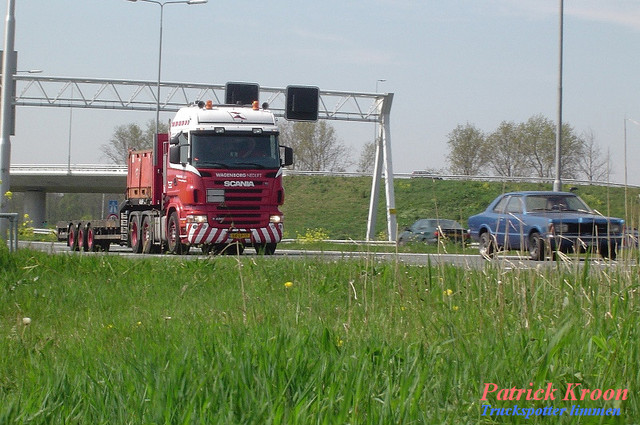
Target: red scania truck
(214, 182)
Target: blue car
(543, 223)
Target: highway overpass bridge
(38, 180)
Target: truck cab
(223, 183)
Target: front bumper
(202, 233)
(573, 243)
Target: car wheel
(487, 245)
(537, 247)
(608, 251)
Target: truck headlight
(615, 228)
(275, 219)
(196, 218)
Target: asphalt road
(473, 261)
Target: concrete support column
(35, 204)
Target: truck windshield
(234, 150)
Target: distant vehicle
(425, 173)
(432, 230)
(543, 223)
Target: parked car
(432, 230)
(543, 223)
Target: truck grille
(243, 206)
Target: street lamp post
(8, 68)
(557, 183)
(162, 4)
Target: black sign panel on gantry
(302, 103)
(241, 93)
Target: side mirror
(175, 140)
(288, 156)
(174, 154)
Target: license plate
(240, 235)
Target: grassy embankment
(227, 340)
(340, 205)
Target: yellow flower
(455, 308)
(448, 292)
(340, 342)
(139, 323)
(288, 284)
(8, 194)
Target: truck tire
(134, 233)
(146, 235)
(266, 249)
(174, 246)
(72, 237)
(234, 248)
(89, 239)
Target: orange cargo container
(140, 175)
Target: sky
(448, 62)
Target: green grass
(224, 341)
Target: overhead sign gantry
(94, 93)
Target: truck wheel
(134, 233)
(90, 239)
(174, 246)
(234, 248)
(146, 235)
(82, 238)
(72, 237)
(266, 249)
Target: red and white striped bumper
(204, 234)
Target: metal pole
(388, 169)
(626, 217)
(557, 183)
(70, 126)
(159, 71)
(375, 189)
(377, 175)
(8, 68)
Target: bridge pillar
(35, 204)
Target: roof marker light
(255, 105)
(209, 104)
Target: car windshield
(555, 203)
(234, 150)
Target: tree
(505, 150)
(539, 142)
(315, 146)
(591, 163)
(367, 158)
(467, 150)
(130, 137)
